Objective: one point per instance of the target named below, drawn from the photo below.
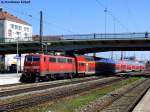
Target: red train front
(43, 67)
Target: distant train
(45, 67)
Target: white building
(13, 29)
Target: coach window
(69, 60)
(52, 59)
(61, 60)
(81, 64)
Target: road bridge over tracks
(86, 43)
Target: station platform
(144, 104)
(9, 78)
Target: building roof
(7, 16)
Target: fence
(79, 37)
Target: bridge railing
(11, 40)
(80, 37)
(108, 36)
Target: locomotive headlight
(25, 70)
(37, 70)
(37, 74)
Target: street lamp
(17, 56)
(94, 54)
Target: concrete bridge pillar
(20, 62)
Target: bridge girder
(79, 46)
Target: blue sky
(84, 16)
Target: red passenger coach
(85, 65)
(129, 65)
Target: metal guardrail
(12, 40)
(82, 36)
(108, 36)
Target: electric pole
(121, 55)
(112, 54)
(41, 30)
(94, 54)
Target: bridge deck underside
(78, 46)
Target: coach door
(45, 64)
(87, 67)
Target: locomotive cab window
(33, 58)
(29, 58)
(36, 58)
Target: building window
(9, 33)
(20, 28)
(16, 27)
(18, 34)
(12, 26)
(26, 29)
(25, 35)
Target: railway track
(135, 74)
(118, 74)
(127, 101)
(121, 100)
(57, 92)
(26, 84)
(24, 88)
(15, 89)
(10, 85)
(138, 99)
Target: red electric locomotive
(42, 67)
